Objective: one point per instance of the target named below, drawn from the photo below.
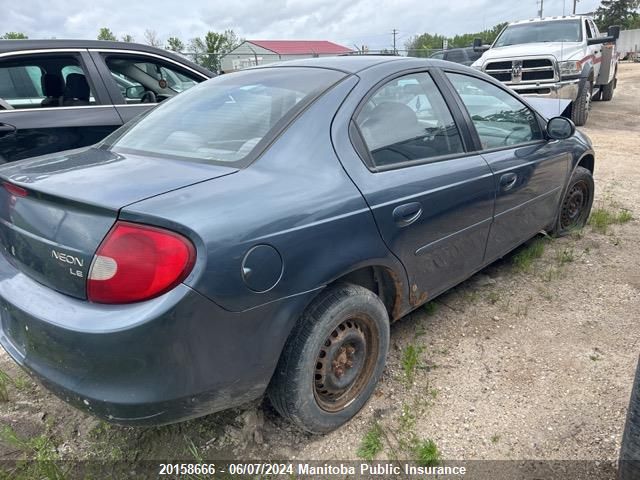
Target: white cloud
(348, 22)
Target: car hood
(559, 50)
(104, 178)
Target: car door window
(456, 56)
(406, 120)
(588, 27)
(136, 75)
(499, 118)
(37, 81)
(438, 55)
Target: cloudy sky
(349, 22)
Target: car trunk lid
(56, 210)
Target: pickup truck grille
(518, 71)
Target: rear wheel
(576, 204)
(629, 463)
(581, 105)
(607, 90)
(333, 359)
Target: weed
(495, 438)
(595, 357)
(427, 453)
(565, 255)
(430, 308)
(4, 384)
(602, 218)
(433, 393)
(40, 455)
(407, 419)
(411, 361)
(493, 297)
(371, 444)
(522, 310)
(523, 260)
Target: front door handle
(508, 181)
(407, 213)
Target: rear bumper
(567, 89)
(172, 358)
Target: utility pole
(394, 32)
(541, 8)
(575, 2)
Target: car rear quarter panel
(296, 198)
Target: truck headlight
(570, 67)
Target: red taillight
(14, 189)
(138, 262)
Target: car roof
(357, 63)
(548, 19)
(7, 46)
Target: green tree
(106, 34)
(174, 44)
(208, 51)
(425, 44)
(14, 36)
(618, 12)
(127, 38)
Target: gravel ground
(530, 362)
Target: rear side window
(225, 118)
(44, 80)
(407, 120)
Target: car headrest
(52, 85)
(77, 87)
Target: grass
(426, 453)
(602, 218)
(371, 444)
(411, 361)
(40, 456)
(523, 260)
(493, 297)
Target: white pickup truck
(555, 57)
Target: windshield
(553, 31)
(225, 118)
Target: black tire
(581, 105)
(607, 90)
(576, 204)
(332, 360)
(629, 462)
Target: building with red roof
(260, 52)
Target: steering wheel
(5, 105)
(148, 97)
(506, 139)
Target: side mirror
(560, 128)
(478, 46)
(134, 93)
(614, 32)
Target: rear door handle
(508, 181)
(407, 213)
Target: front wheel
(582, 105)
(332, 360)
(576, 204)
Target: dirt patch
(523, 361)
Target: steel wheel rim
(345, 363)
(574, 207)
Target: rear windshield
(224, 119)
(554, 31)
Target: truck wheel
(576, 204)
(607, 90)
(332, 360)
(629, 462)
(581, 105)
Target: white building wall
(246, 54)
(628, 42)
